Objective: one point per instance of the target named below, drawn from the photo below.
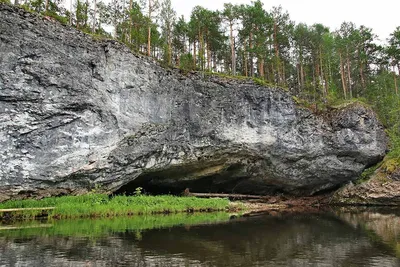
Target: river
(334, 237)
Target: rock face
(78, 113)
(383, 188)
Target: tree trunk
(395, 81)
(201, 50)
(322, 74)
(87, 14)
(343, 76)
(362, 77)
(277, 59)
(261, 68)
(326, 78)
(317, 78)
(251, 54)
(298, 77)
(94, 17)
(208, 53)
(301, 69)
(214, 56)
(194, 54)
(233, 57)
(130, 21)
(302, 75)
(169, 50)
(361, 72)
(276, 40)
(149, 31)
(70, 13)
(236, 196)
(246, 71)
(349, 74)
(301, 72)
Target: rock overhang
(78, 112)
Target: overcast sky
(382, 16)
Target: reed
(101, 205)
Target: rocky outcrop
(78, 113)
(383, 189)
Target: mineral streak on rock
(77, 112)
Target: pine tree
(168, 18)
(230, 14)
(152, 7)
(394, 54)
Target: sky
(382, 16)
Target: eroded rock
(383, 188)
(78, 113)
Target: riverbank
(101, 205)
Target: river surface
(330, 238)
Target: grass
(104, 226)
(100, 205)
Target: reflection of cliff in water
(284, 240)
(382, 226)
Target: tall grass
(100, 205)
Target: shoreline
(103, 206)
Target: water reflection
(339, 238)
(382, 226)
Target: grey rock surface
(78, 113)
(381, 189)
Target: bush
(186, 62)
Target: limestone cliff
(76, 113)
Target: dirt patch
(285, 204)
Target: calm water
(334, 238)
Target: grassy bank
(99, 205)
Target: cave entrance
(154, 184)
(233, 179)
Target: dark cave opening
(154, 184)
(205, 177)
(231, 181)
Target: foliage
(99, 205)
(390, 164)
(395, 142)
(81, 14)
(186, 62)
(138, 191)
(366, 175)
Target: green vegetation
(99, 205)
(104, 226)
(366, 175)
